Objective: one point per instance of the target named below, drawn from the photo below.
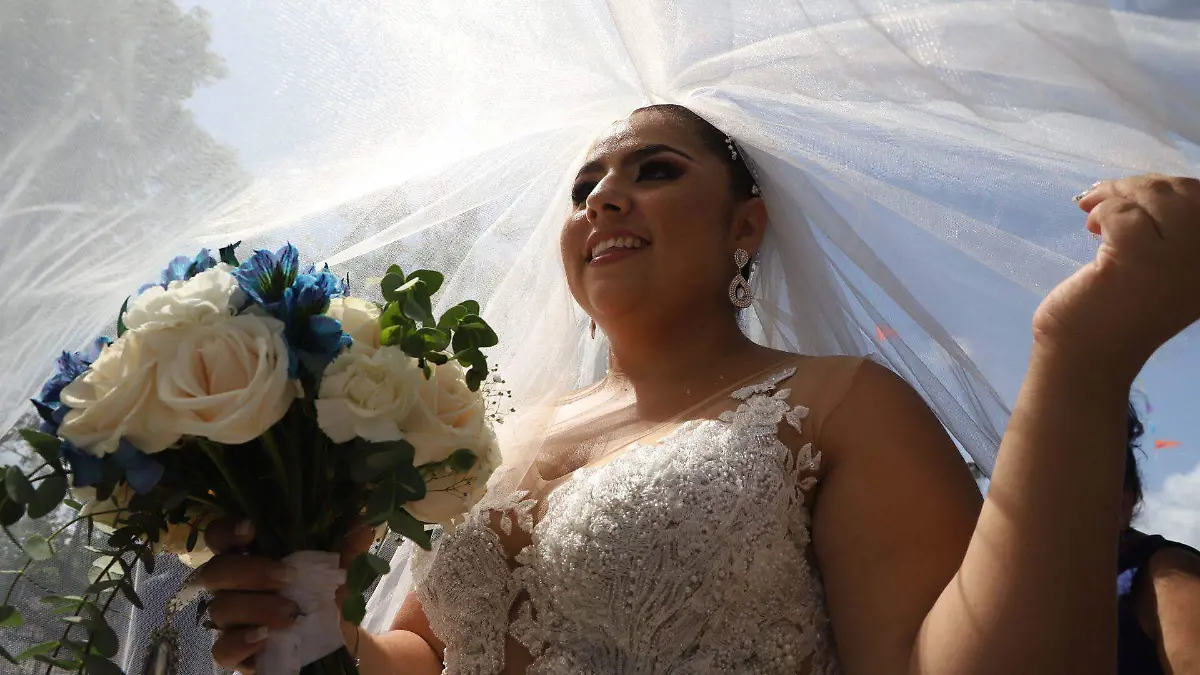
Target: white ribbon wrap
(316, 632)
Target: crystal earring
(739, 288)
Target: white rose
(116, 397)
(367, 393)
(359, 318)
(448, 416)
(173, 540)
(225, 380)
(103, 513)
(210, 294)
(449, 494)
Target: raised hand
(1143, 288)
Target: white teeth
(617, 242)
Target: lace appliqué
(690, 555)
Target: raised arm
(1033, 591)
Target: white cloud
(1174, 511)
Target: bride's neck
(682, 360)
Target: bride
(712, 505)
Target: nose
(608, 198)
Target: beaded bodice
(688, 555)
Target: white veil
(917, 157)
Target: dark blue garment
(1137, 653)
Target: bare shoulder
(1175, 562)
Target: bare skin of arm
(1168, 607)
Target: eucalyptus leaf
(433, 280)
(45, 445)
(73, 505)
(392, 335)
(409, 484)
(104, 638)
(354, 608)
(391, 286)
(452, 318)
(10, 617)
(19, 488)
(6, 656)
(10, 511)
(391, 454)
(395, 269)
(121, 328)
(48, 496)
(65, 664)
(98, 665)
(130, 594)
(417, 306)
(391, 316)
(38, 548)
(363, 571)
(471, 306)
(43, 648)
(405, 525)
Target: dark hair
(741, 180)
(1133, 479)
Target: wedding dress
(688, 554)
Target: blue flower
(86, 470)
(67, 367)
(313, 338)
(141, 472)
(182, 268)
(266, 275)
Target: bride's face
(654, 223)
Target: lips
(611, 245)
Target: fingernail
(283, 575)
(1096, 185)
(1079, 197)
(257, 635)
(244, 530)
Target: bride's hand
(1143, 288)
(246, 607)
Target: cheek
(571, 241)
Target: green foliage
(121, 327)
(363, 572)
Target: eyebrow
(634, 156)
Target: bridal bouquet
(255, 390)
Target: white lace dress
(688, 555)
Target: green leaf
(471, 306)
(7, 657)
(363, 571)
(10, 617)
(391, 316)
(437, 358)
(417, 305)
(46, 445)
(19, 488)
(461, 460)
(130, 594)
(49, 495)
(10, 511)
(475, 325)
(43, 648)
(391, 454)
(452, 318)
(65, 664)
(73, 505)
(392, 286)
(409, 483)
(38, 548)
(228, 256)
(433, 280)
(104, 638)
(98, 665)
(403, 524)
(121, 328)
(354, 608)
(395, 269)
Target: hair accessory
(732, 149)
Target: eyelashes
(653, 170)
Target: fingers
(235, 648)
(357, 541)
(238, 608)
(227, 535)
(1125, 223)
(230, 572)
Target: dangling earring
(739, 288)
(593, 329)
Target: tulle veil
(917, 157)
